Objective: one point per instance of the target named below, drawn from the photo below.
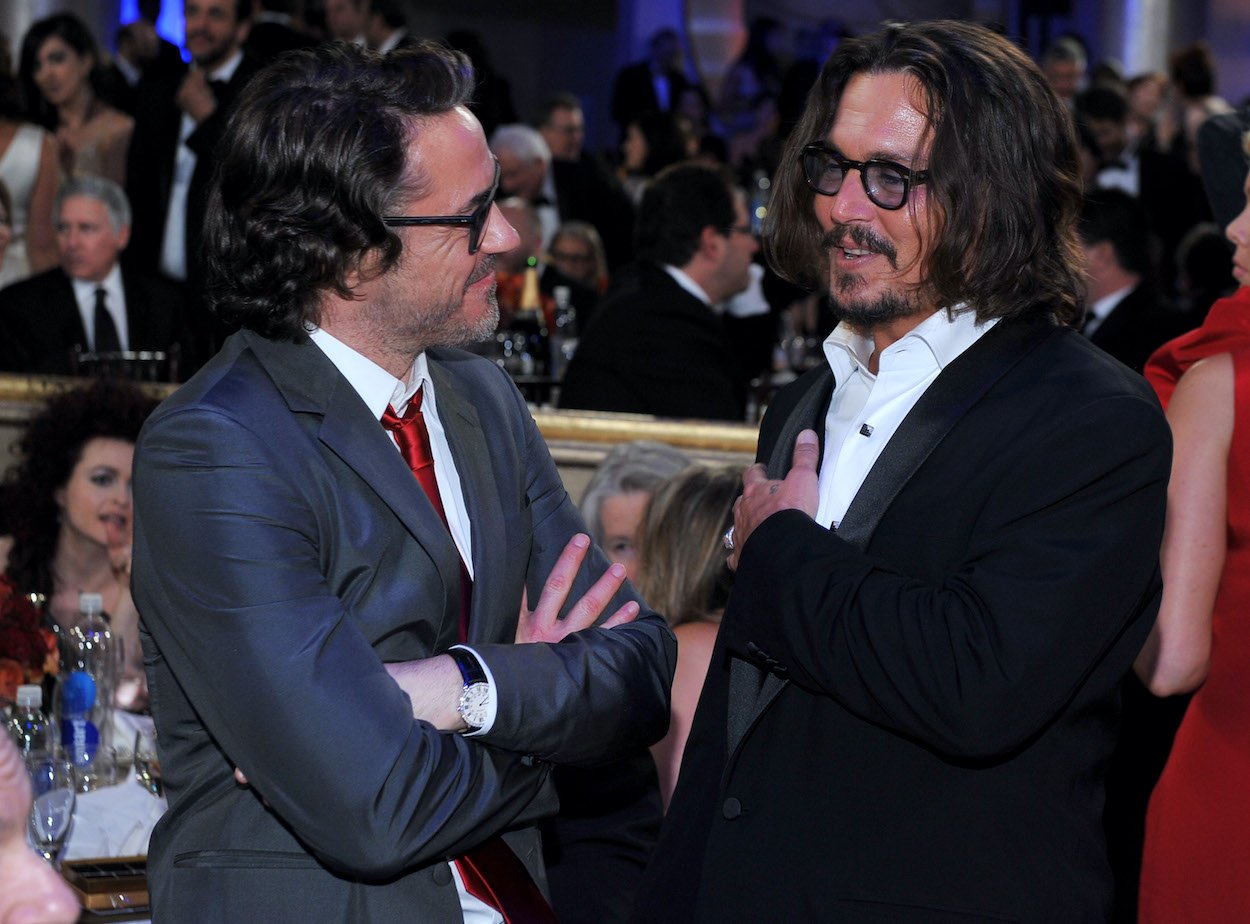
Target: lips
(855, 241)
(484, 269)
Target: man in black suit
(657, 344)
(584, 189)
(652, 85)
(1125, 314)
(947, 558)
(88, 302)
(273, 32)
(171, 158)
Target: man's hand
(543, 623)
(761, 498)
(195, 97)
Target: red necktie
(491, 872)
(414, 445)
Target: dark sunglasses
(885, 183)
(476, 221)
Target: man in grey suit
(329, 751)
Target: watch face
(474, 699)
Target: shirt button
(731, 809)
(441, 874)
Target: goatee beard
(888, 306)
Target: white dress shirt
(867, 409)
(114, 301)
(687, 283)
(174, 244)
(378, 389)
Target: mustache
(863, 238)
(484, 269)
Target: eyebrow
(893, 157)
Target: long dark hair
(74, 33)
(313, 157)
(48, 450)
(1004, 172)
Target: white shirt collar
(392, 40)
(376, 387)
(225, 70)
(687, 283)
(1105, 305)
(943, 337)
(115, 300)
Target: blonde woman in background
(682, 574)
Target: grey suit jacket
(283, 553)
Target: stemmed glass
(52, 812)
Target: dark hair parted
(682, 201)
(1004, 183)
(48, 450)
(313, 157)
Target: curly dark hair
(313, 157)
(48, 450)
(74, 33)
(1004, 176)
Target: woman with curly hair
(67, 513)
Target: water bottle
(89, 657)
(28, 726)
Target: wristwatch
(475, 697)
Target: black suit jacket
(283, 552)
(653, 348)
(150, 163)
(1137, 326)
(266, 41)
(40, 324)
(908, 719)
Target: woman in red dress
(1196, 863)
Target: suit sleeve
(1063, 559)
(229, 579)
(600, 693)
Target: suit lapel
(310, 384)
(472, 456)
(957, 389)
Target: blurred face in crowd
(877, 255)
(214, 32)
(1110, 135)
(60, 72)
(439, 293)
(564, 131)
(573, 257)
(1239, 233)
(1064, 77)
(735, 270)
(95, 502)
(621, 515)
(31, 892)
(345, 19)
(86, 239)
(634, 148)
(520, 177)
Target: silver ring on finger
(728, 539)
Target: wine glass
(52, 812)
(147, 762)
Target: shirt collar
(941, 335)
(84, 289)
(376, 387)
(687, 283)
(1105, 305)
(225, 70)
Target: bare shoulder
(1201, 408)
(699, 635)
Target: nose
(1238, 230)
(850, 202)
(499, 237)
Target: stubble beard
(865, 313)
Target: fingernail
(807, 438)
(616, 569)
(581, 540)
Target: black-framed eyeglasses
(885, 183)
(476, 221)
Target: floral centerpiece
(27, 648)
